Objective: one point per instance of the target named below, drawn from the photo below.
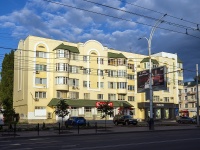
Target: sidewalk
(108, 130)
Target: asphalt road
(157, 140)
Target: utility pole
(197, 82)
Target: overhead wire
(128, 20)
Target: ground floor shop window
(88, 112)
(158, 114)
(74, 111)
(166, 113)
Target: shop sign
(104, 103)
(160, 105)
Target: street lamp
(158, 22)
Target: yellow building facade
(47, 70)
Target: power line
(137, 14)
(160, 13)
(120, 18)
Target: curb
(89, 134)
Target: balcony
(191, 93)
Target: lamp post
(158, 22)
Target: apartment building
(47, 70)
(188, 99)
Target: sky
(117, 24)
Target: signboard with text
(158, 79)
(104, 103)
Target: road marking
(15, 144)
(120, 145)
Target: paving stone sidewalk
(108, 130)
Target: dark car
(124, 119)
(75, 121)
(185, 120)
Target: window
(39, 94)
(166, 99)
(86, 58)
(73, 69)
(61, 94)
(99, 60)
(100, 72)
(39, 67)
(40, 81)
(185, 90)
(156, 98)
(121, 73)
(86, 71)
(112, 97)
(101, 84)
(186, 98)
(62, 53)
(186, 105)
(130, 77)
(131, 66)
(40, 54)
(86, 95)
(61, 67)
(100, 96)
(121, 62)
(121, 97)
(73, 82)
(61, 80)
(112, 73)
(85, 83)
(130, 87)
(111, 61)
(121, 85)
(74, 95)
(74, 56)
(112, 85)
(131, 98)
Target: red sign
(104, 103)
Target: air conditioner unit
(106, 71)
(36, 99)
(49, 115)
(77, 88)
(37, 72)
(81, 67)
(73, 87)
(138, 66)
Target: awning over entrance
(87, 103)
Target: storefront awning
(87, 103)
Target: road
(158, 140)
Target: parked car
(124, 119)
(75, 121)
(195, 118)
(185, 120)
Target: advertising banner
(158, 79)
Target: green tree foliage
(61, 109)
(7, 77)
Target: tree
(7, 76)
(106, 109)
(61, 109)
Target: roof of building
(147, 60)
(87, 103)
(72, 49)
(115, 55)
(178, 60)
